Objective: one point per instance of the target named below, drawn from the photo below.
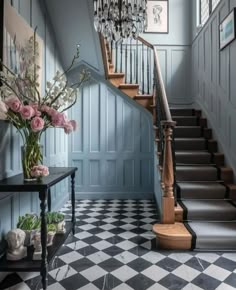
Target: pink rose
(47, 109)
(59, 119)
(36, 111)
(37, 124)
(14, 104)
(27, 112)
(39, 170)
(74, 124)
(68, 128)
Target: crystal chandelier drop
(118, 19)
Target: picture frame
(157, 16)
(227, 29)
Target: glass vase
(31, 155)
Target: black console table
(17, 184)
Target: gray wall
(174, 51)
(113, 147)
(54, 141)
(73, 23)
(214, 85)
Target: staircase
(205, 186)
(199, 213)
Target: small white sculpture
(16, 250)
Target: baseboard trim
(60, 203)
(114, 195)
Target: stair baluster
(143, 81)
(126, 62)
(137, 63)
(131, 62)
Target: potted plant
(29, 223)
(58, 220)
(51, 229)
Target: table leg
(73, 201)
(49, 200)
(44, 263)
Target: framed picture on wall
(228, 29)
(157, 16)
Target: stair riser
(117, 81)
(186, 121)
(145, 103)
(193, 159)
(202, 195)
(182, 112)
(201, 190)
(130, 92)
(209, 216)
(195, 174)
(191, 132)
(196, 145)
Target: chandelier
(118, 19)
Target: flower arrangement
(28, 111)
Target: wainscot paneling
(113, 147)
(213, 78)
(175, 64)
(54, 141)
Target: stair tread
(123, 86)
(143, 96)
(197, 152)
(214, 235)
(196, 173)
(116, 75)
(201, 186)
(209, 205)
(190, 138)
(208, 210)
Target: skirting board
(61, 202)
(114, 195)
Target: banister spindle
(148, 71)
(136, 51)
(121, 57)
(142, 68)
(131, 61)
(116, 68)
(111, 50)
(126, 62)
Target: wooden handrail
(161, 82)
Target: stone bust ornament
(15, 240)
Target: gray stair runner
(193, 157)
(208, 214)
(198, 190)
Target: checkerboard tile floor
(114, 248)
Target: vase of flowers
(30, 112)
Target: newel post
(168, 202)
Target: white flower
(49, 85)
(3, 107)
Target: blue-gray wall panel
(116, 156)
(213, 78)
